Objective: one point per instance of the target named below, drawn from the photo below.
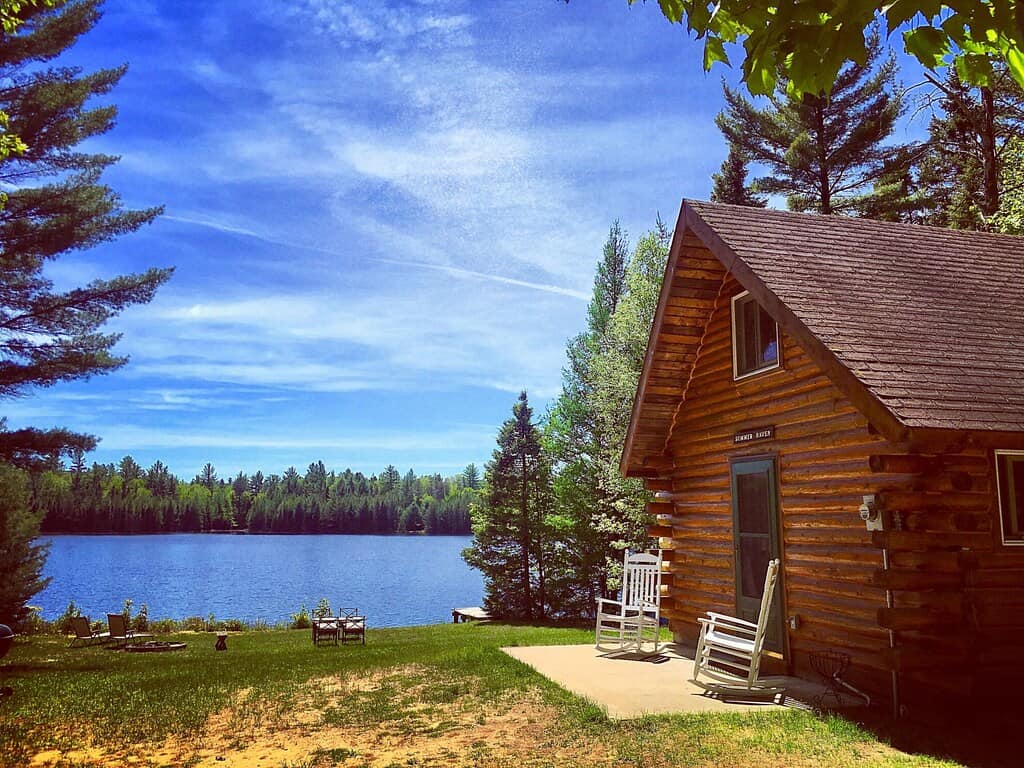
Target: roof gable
(922, 327)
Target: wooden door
(755, 515)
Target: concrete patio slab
(631, 685)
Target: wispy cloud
(384, 215)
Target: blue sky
(384, 217)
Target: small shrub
(141, 622)
(323, 608)
(233, 625)
(63, 622)
(260, 625)
(300, 620)
(163, 626)
(193, 624)
(33, 623)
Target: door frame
(774, 538)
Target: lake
(394, 580)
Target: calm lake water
(394, 580)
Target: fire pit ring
(155, 646)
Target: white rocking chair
(728, 654)
(627, 623)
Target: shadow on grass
(980, 736)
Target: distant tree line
(125, 498)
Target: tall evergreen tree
(207, 476)
(610, 279)
(824, 152)
(597, 513)
(511, 536)
(730, 183)
(962, 171)
(55, 203)
(471, 476)
(21, 558)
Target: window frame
(736, 375)
(1018, 455)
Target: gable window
(1010, 484)
(755, 338)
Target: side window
(755, 338)
(1010, 487)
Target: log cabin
(806, 372)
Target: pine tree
(730, 183)
(57, 204)
(471, 476)
(610, 279)
(597, 513)
(962, 172)
(824, 152)
(21, 559)
(511, 537)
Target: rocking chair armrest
(728, 624)
(602, 600)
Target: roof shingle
(929, 320)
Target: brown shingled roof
(930, 320)
(927, 323)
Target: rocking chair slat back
(627, 622)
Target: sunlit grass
(423, 682)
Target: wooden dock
(476, 613)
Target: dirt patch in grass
(407, 716)
(422, 716)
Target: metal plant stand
(832, 665)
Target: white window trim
(736, 375)
(999, 501)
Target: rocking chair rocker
(728, 656)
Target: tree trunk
(524, 532)
(824, 190)
(990, 193)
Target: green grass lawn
(437, 695)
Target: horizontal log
(910, 540)
(918, 619)
(910, 501)
(1009, 558)
(926, 561)
(952, 481)
(903, 463)
(659, 508)
(655, 484)
(659, 531)
(940, 520)
(896, 580)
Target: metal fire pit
(6, 639)
(155, 646)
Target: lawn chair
(353, 626)
(325, 628)
(729, 651)
(85, 634)
(120, 631)
(627, 623)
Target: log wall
(822, 446)
(956, 595)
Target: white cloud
(130, 438)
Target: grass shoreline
(441, 694)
